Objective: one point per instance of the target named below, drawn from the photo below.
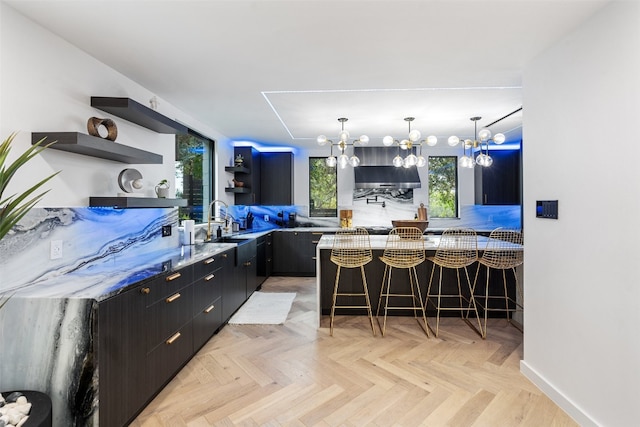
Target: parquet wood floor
(297, 375)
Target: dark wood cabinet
(249, 175)
(247, 268)
(121, 355)
(168, 332)
(264, 257)
(234, 291)
(267, 178)
(276, 178)
(294, 253)
(500, 183)
(210, 275)
(284, 253)
(146, 334)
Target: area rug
(264, 308)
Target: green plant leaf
(16, 206)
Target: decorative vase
(162, 191)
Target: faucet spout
(221, 219)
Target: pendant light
(411, 143)
(343, 160)
(481, 140)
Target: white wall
(582, 293)
(45, 86)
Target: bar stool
(458, 249)
(351, 249)
(504, 251)
(404, 249)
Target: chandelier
(410, 144)
(343, 160)
(481, 139)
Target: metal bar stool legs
(404, 250)
(504, 252)
(351, 249)
(457, 250)
(439, 297)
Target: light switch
(547, 209)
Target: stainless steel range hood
(377, 171)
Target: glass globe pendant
(411, 160)
(387, 141)
(453, 141)
(343, 160)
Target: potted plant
(12, 209)
(162, 189)
(16, 206)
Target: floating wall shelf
(135, 202)
(88, 145)
(137, 113)
(243, 190)
(238, 169)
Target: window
(323, 189)
(443, 187)
(194, 174)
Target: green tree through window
(194, 169)
(323, 189)
(443, 187)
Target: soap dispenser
(219, 232)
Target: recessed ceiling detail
(377, 112)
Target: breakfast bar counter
(351, 278)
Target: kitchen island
(350, 279)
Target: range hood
(376, 170)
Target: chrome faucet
(220, 219)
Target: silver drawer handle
(208, 309)
(209, 277)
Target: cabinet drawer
(168, 357)
(166, 316)
(166, 285)
(206, 322)
(207, 289)
(209, 264)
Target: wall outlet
(166, 230)
(55, 251)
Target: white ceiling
(282, 72)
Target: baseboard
(556, 396)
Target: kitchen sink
(238, 240)
(245, 250)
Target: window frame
(327, 212)
(208, 177)
(456, 185)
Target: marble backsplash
(89, 236)
(92, 236)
